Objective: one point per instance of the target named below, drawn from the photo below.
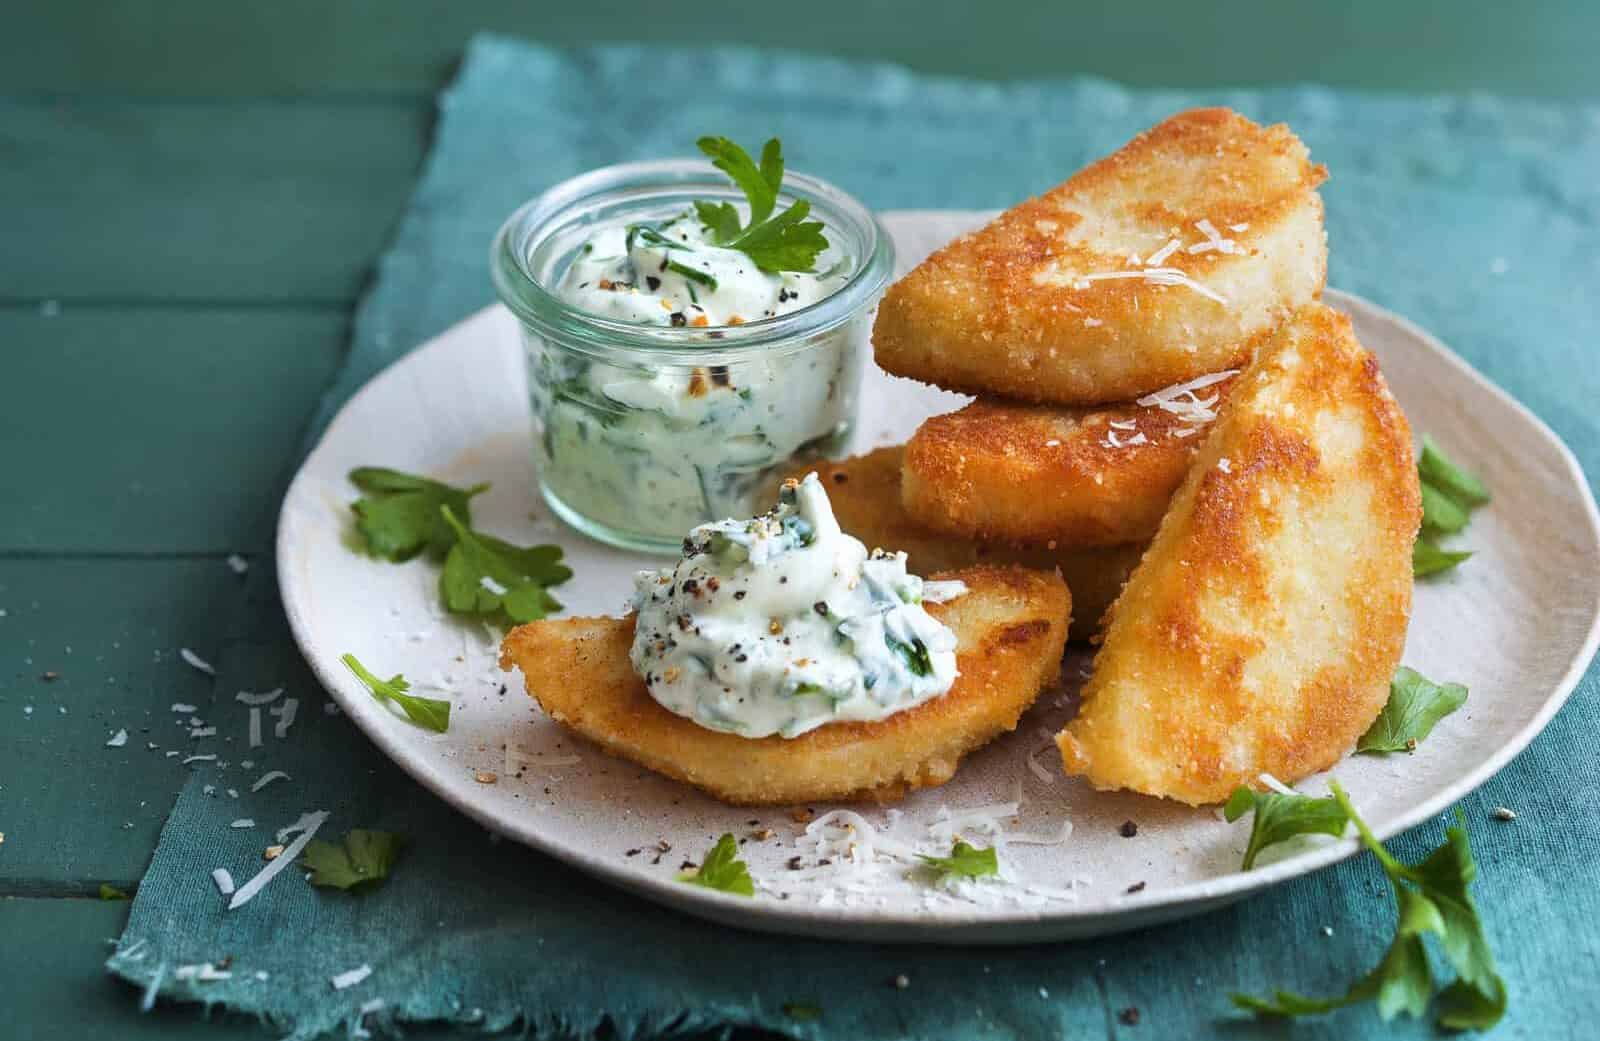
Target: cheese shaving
(182, 709)
(285, 713)
(1163, 253)
(267, 778)
(255, 728)
(243, 822)
(1159, 276)
(118, 739)
(248, 698)
(223, 880)
(248, 891)
(345, 980)
(196, 662)
(203, 973)
(1276, 785)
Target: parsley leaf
(964, 861)
(1441, 513)
(1447, 477)
(111, 892)
(431, 713)
(720, 217)
(722, 869)
(489, 576)
(1415, 704)
(1428, 559)
(364, 857)
(1279, 817)
(1430, 897)
(759, 184)
(1449, 494)
(399, 515)
(786, 242)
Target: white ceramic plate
(1517, 624)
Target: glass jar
(642, 432)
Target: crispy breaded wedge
(866, 495)
(1054, 473)
(1159, 263)
(1010, 628)
(1261, 629)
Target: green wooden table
(190, 199)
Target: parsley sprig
(964, 861)
(1279, 817)
(429, 713)
(781, 242)
(1415, 704)
(363, 858)
(1449, 495)
(484, 575)
(1430, 897)
(399, 514)
(722, 869)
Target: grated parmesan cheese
(267, 778)
(223, 880)
(186, 710)
(196, 662)
(243, 822)
(1276, 785)
(247, 892)
(285, 713)
(346, 980)
(118, 739)
(247, 698)
(1163, 253)
(1159, 276)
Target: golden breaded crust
(1261, 629)
(867, 499)
(1050, 473)
(1021, 308)
(1010, 628)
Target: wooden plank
(76, 813)
(260, 201)
(1537, 47)
(154, 431)
(53, 982)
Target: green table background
(191, 196)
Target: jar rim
(574, 328)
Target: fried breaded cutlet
(1074, 476)
(1261, 629)
(1010, 627)
(866, 495)
(1164, 261)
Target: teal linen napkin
(1474, 216)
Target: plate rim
(991, 926)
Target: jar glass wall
(642, 432)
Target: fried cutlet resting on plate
(1010, 627)
(1164, 261)
(867, 500)
(1261, 629)
(1073, 476)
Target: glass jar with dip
(674, 382)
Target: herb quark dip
(706, 342)
(782, 623)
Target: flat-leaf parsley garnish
(1449, 495)
(1430, 897)
(1415, 704)
(964, 861)
(1279, 816)
(364, 857)
(782, 242)
(431, 713)
(399, 514)
(489, 576)
(722, 869)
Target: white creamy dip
(663, 447)
(783, 623)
